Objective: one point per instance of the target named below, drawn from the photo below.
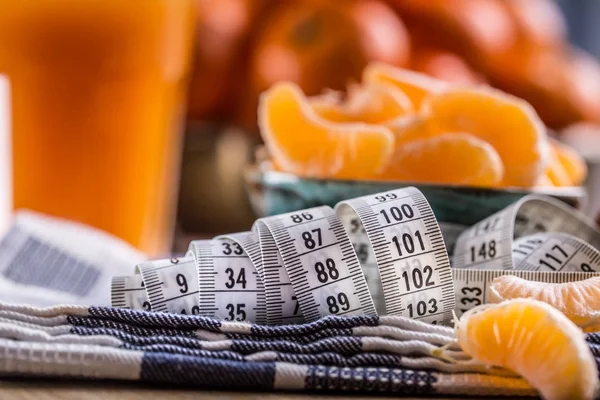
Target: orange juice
(97, 91)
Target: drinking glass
(97, 90)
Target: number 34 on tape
(373, 255)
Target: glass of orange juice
(97, 91)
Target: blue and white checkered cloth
(357, 354)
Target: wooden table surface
(99, 390)
(17, 389)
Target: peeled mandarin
(544, 181)
(453, 158)
(377, 103)
(371, 103)
(303, 143)
(408, 128)
(330, 110)
(534, 340)
(509, 124)
(573, 164)
(414, 84)
(579, 301)
(555, 170)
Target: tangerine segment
(378, 103)
(333, 112)
(544, 181)
(509, 124)
(414, 84)
(408, 128)
(571, 161)
(579, 301)
(556, 171)
(372, 104)
(453, 158)
(303, 143)
(534, 340)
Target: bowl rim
(256, 175)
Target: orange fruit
(221, 29)
(472, 29)
(409, 128)
(534, 340)
(305, 144)
(414, 84)
(579, 301)
(371, 104)
(453, 158)
(544, 181)
(321, 44)
(509, 124)
(444, 65)
(329, 105)
(561, 85)
(539, 22)
(555, 170)
(571, 161)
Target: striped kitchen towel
(358, 354)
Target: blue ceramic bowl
(273, 192)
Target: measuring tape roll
(489, 243)
(282, 305)
(251, 247)
(129, 292)
(412, 266)
(554, 252)
(323, 270)
(229, 285)
(538, 239)
(379, 254)
(171, 285)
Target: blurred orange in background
(520, 46)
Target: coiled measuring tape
(373, 255)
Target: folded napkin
(357, 354)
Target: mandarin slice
(414, 84)
(371, 103)
(555, 170)
(534, 340)
(571, 161)
(377, 103)
(544, 181)
(408, 128)
(305, 144)
(329, 105)
(509, 124)
(453, 158)
(579, 301)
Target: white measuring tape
(373, 255)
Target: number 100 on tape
(411, 270)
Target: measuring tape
(382, 254)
